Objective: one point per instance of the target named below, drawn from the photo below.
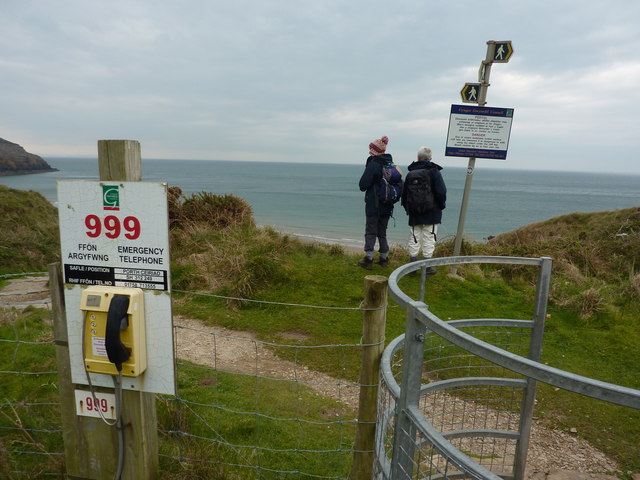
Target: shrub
(204, 208)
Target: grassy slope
(594, 328)
(28, 231)
(595, 304)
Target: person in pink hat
(377, 213)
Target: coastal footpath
(15, 160)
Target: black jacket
(439, 189)
(369, 183)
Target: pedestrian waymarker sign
(470, 92)
(502, 51)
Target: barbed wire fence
(237, 399)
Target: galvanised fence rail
(456, 398)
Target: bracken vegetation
(596, 257)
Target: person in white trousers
(425, 213)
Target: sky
(316, 81)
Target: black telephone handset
(117, 320)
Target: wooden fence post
(85, 438)
(120, 160)
(375, 301)
(91, 446)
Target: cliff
(14, 160)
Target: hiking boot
(383, 262)
(366, 263)
(428, 271)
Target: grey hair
(424, 154)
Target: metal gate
(456, 398)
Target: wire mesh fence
(478, 418)
(244, 407)
(30, 429)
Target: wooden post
(91, 446)
(84, 437)
(119, 160)
(375, 301)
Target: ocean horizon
(323, 202)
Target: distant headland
(14, 160)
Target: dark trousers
(376, 229)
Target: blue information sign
(480, 132)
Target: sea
(323, 202)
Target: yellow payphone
(114, 331)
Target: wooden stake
(375, 317)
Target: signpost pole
(483, 77)
(463, 210)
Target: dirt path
(241, 352)
(551, 451)
(553, 454)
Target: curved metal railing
(458, 402)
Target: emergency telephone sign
(113, 234)
(114, 239)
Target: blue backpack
(390, 187)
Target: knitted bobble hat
(378, 146)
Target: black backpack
(390, 186)
(419, 193)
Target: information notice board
(480, 132)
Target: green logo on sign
(111, 197)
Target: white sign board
(480, 132)
(93, 405)
(117, 234)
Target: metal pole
(483, 77)
(404, 435)
(463, 210)
(535, 353)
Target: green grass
(29, 231)
(28, 421)
(607, 354)
(593, 329)
(598, 347)
(215, 409)
(260, 439)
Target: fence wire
(244, 407)
(30, 426)
(279, 421)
